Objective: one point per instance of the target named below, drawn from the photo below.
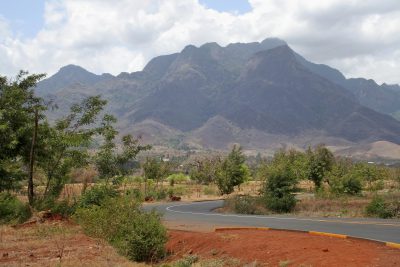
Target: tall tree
(20, 113)
(233, 171)
(64, 146)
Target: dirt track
(271, 248)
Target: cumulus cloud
(359, 37)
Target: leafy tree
(20, 112)
(279, 188)
(65, 146)
(233, 171)
(296, 161)
(320, 161)
(205, 170)
(109, 161)
(155, 170)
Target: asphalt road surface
(202, 213)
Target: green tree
(279, 188)
(65, 146)
(20, 112)
(205, 170)
(155, 170)
(110, 162)
(320, 162)
(233, 171)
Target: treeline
(32, 148)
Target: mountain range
(263, 95)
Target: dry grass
(55, 244)
(338, 207)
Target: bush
(279, 188)
(351, 185)
(378, 207)
(282, 204)
(348, 184)
(64, 207)
(96, 195)
(12, 210)
(136, 234)
(135, 193)
(245, 204)
(157, 194)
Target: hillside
(261, 95)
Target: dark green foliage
(320, 161)
(12, 210)
(378, 208)
(233, 171)
(147, 239)
(351, 184)
(97, 195)
(17, 112)
(279, 188)
(136, 234)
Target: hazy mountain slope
(262, 91)
(70, 75)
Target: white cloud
(359, 37)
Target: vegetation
(38, 159)
(12, 210)
(136, 234)
(232, 171)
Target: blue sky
(239, 6)
(25, 17)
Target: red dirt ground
(271, 248)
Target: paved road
(201, 212)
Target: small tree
(279, 188)
(109, 162)
(205, 170)
(155, 170)
(233, 171)
(320, 162)
(65, 146)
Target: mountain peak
(272, 63)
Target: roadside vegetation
(316, 183)
(80, 168)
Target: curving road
(202, 213)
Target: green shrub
(378, 208)
(64, 207)
(136, 234)
(245, 204)
(351, 185)
(347, 184)
(135, 193)
(286, 203)
(96, 195)
(12, 210)
(279, 188)
(187, 261)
